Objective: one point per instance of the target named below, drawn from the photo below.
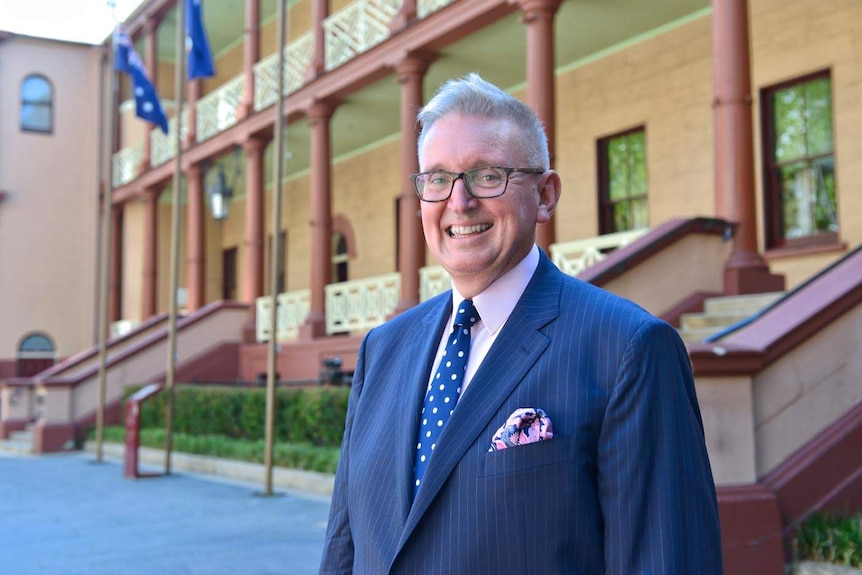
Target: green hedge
(322, 459)
(312, 416)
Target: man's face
(479, 240)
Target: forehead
(457, 143)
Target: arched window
(339, 258)
(37, 104)
(36, 352)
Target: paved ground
(66, 515)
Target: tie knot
(466, 314)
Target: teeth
(467, 230)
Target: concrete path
(66, 515)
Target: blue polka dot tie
(444, 389)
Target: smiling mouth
(464, 231)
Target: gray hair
(472, 96)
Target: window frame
(773, 209)
(25, 103)
(605, 214)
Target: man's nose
(460, 199)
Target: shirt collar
(496, 302)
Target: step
(697, 335)
(711, 320)
(748, 304)
(16, 447)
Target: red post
(133, 430)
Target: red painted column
(406, 14)
(195, 89)
(195, 240)
(745, 270)
(319, 12)
(319, 115)
(115, 280)
(149, 301)
(251, 54)
(539, 18)
(252, 268)
(411, 256)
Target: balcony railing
(433, 280)
(361, 304)
(356, 28)
(163, 147)
(293, 308)
(426, 7)
(297, 57)
(219, 110)
(574, 257)
(127, 164)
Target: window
(623, 182)
(36, 104)
(339, 258)
(799, 172)
(228, 267)
(36, 353)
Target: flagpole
(275, 255)
(107, 195)
(179, 75)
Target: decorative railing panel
(433, 280)
(127, 164)
(163, 147)
(293, 308)
(574, 257)
(356, 28)
(362, 304)
(219, 110)
(297, 57)
(426, 7)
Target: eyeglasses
(485, 182)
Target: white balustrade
(356, 28)
(361, 304)
(297, 57)
(433, 280)
(293, 308)
(426, 7)
(127, 164)
(219, 110)
(163, 147)
(574, 257)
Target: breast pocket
(524, 458)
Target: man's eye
(438, 180)
(487, 177)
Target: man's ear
(550, 187)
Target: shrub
(830, 539)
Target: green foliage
(291, 455)
(313, 416)
(830, 539)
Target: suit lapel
(421, 342)
(517, 348)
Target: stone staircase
(19, 443)
(722, 312)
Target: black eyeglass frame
(462, 176)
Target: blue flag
(200, 56)
(147, 104)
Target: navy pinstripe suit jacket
(623, 488)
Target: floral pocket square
(525, 425)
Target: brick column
(411, 257)
(149, 298)
(745, 271)
(406, 14)
(252, 268)
(319, 116)
(539, 18)
(251, 54)
(195, 240)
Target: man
(576, 446)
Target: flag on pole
(147, 104)
(198, 47)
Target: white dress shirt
(495, 305)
